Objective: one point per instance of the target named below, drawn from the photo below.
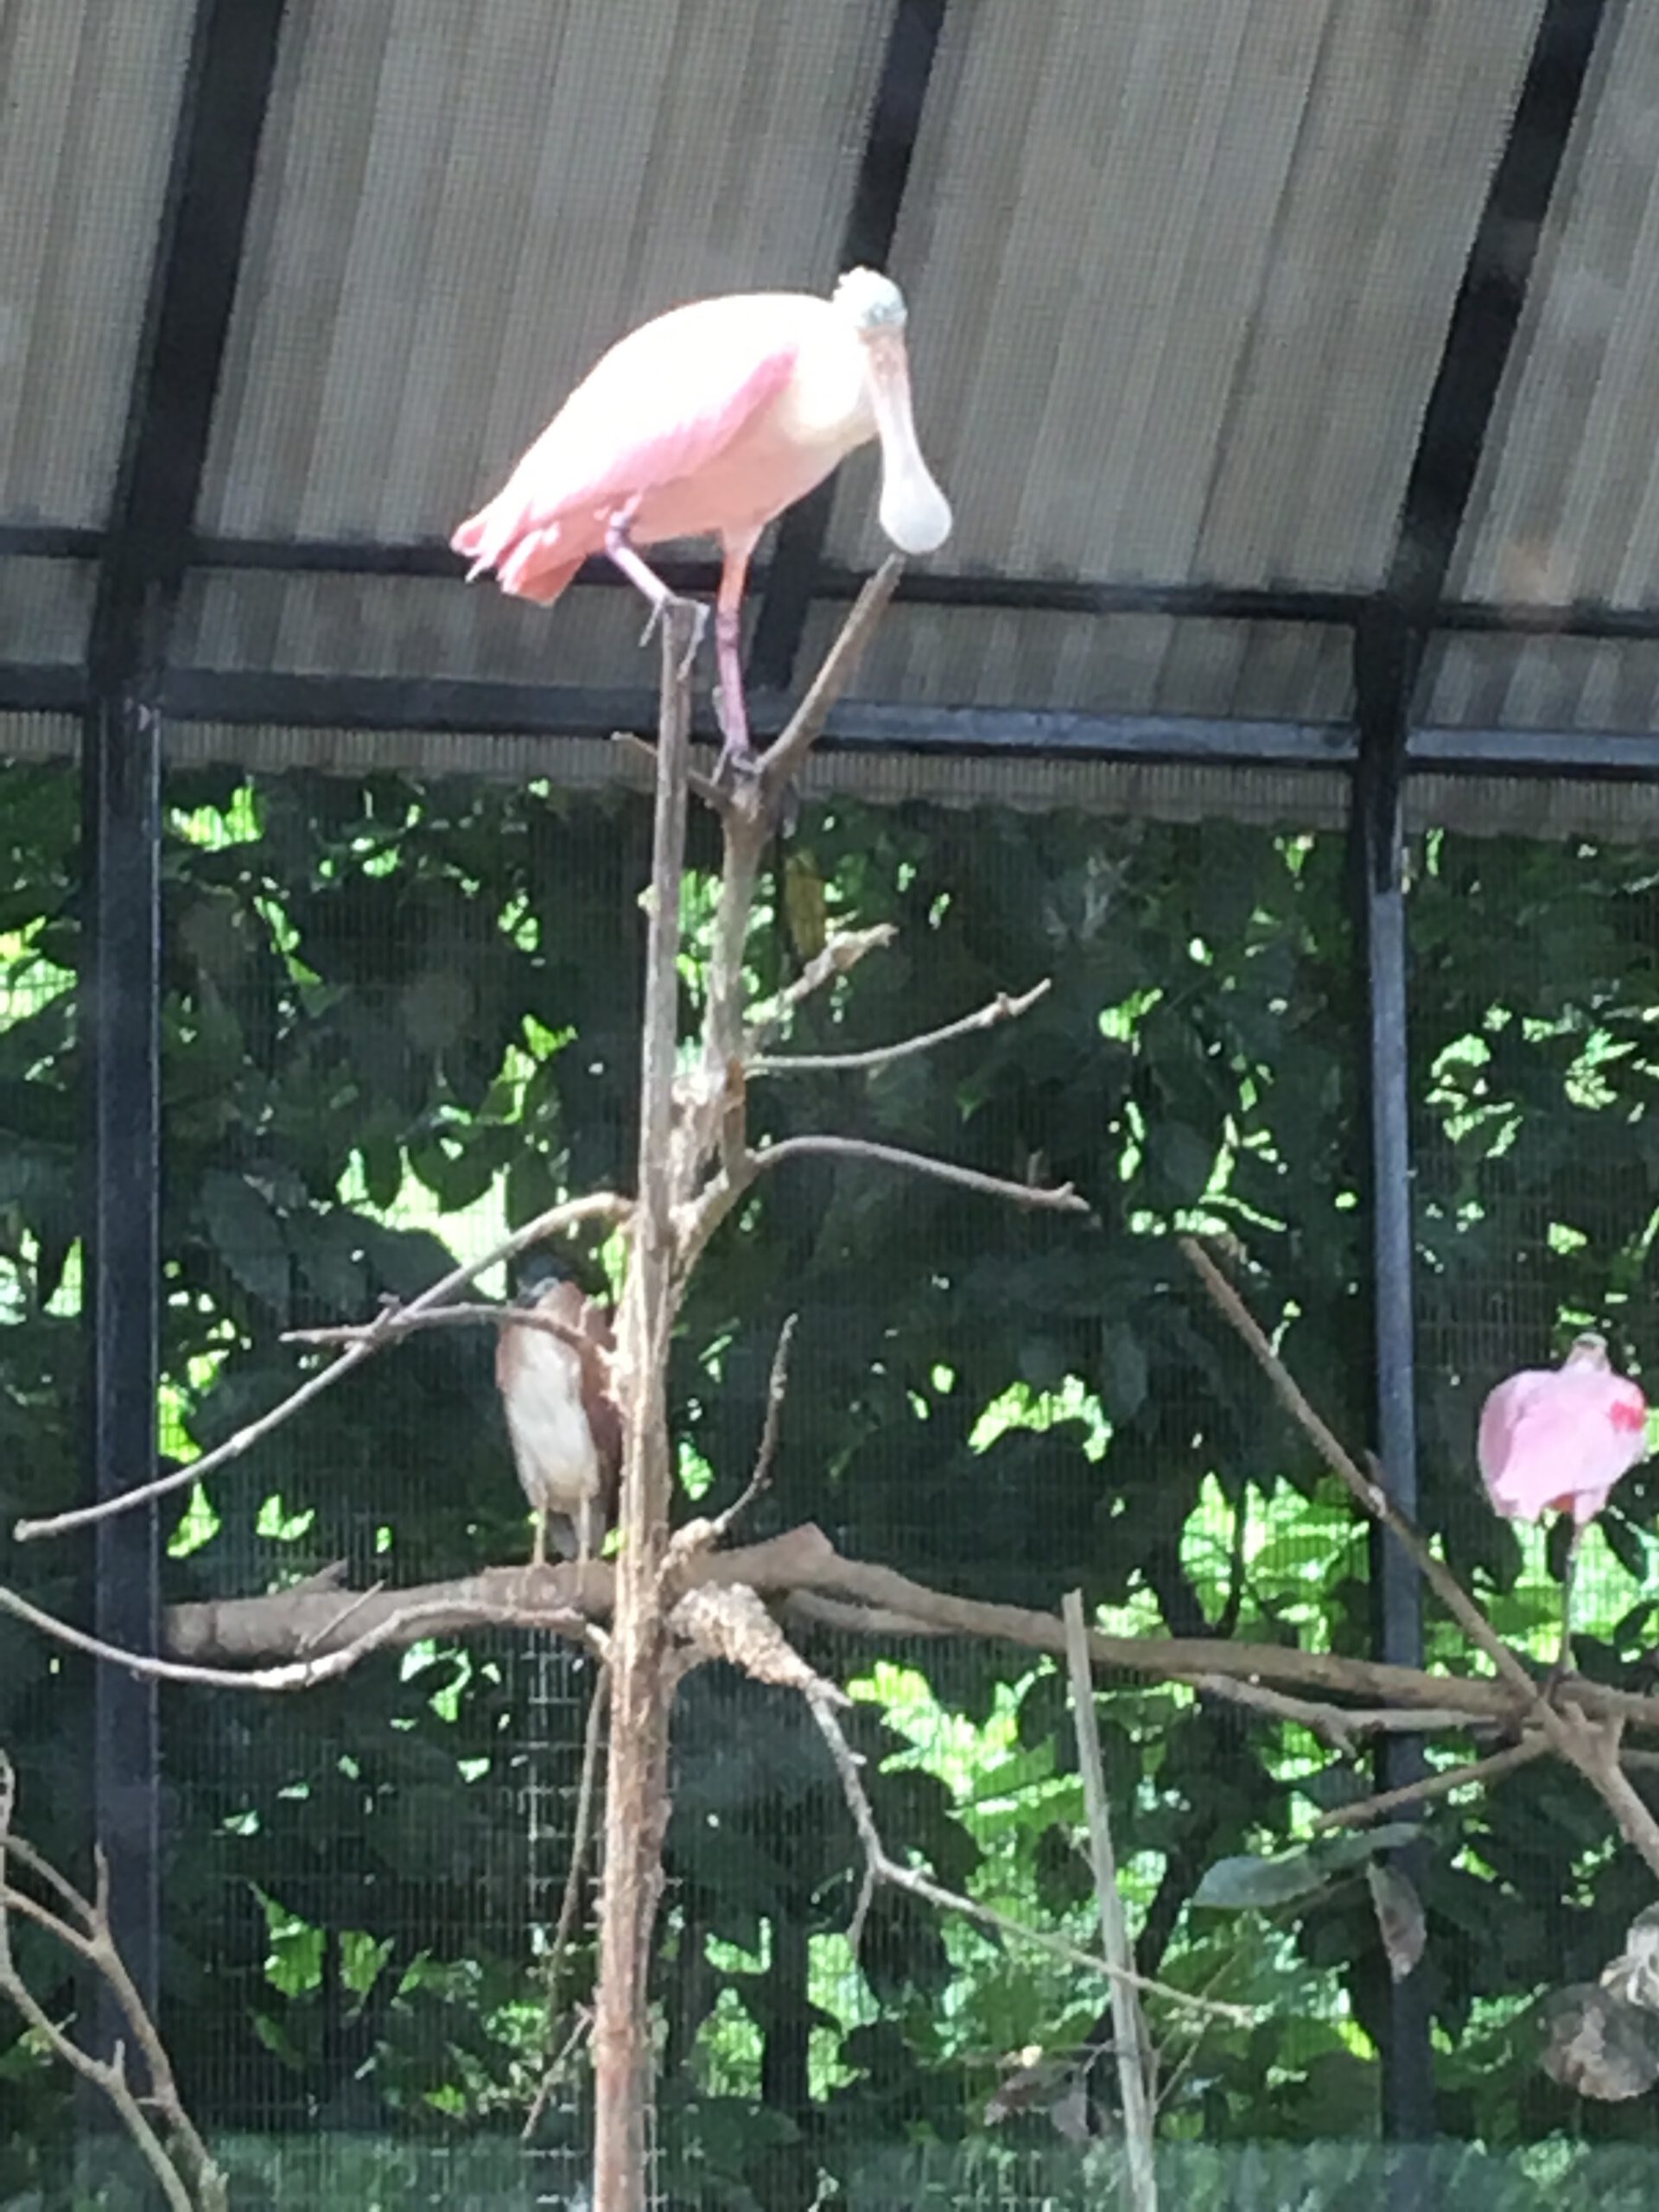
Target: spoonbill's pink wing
(1558, 1439)
(661, 406)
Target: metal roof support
(145, 549)
(1389, 642)
(1385, 664)
(883, 173)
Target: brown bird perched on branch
(561, 1416)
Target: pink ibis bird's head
(914, 512)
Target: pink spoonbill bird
(708, 422)
(1555, 1440)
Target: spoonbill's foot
(699, 614)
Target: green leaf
(248, 1237)
(1245, 1883)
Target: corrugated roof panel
(459, 208)
(1181, 270)
(1567, 503)
(1119, 664)
(1562, 683)
(91, 94)
(46, 609)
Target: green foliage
(397, 1015)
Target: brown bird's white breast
(552, 1442)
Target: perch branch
(879, 1867)
(1128, 2026)
(802, 1567)
(1000, 1009)
(598, 1205)
(785, 753)
(407, 1623)
(1062, 1199)
(186, 2159)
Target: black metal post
(1386, 652)
(121, 880)
(144, 552)
(884, 171)
(1390, 640)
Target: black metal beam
(41, 688)
(145, 550)
(1204, 602)
(378, 702)
(883, 173)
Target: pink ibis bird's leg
(1569, 1574)
(538, 1548)
(732, 707)
(646, 579)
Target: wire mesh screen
(401, 1015)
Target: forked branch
(184, 2168)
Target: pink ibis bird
(561, 1417)
(1556, 1439)
(709, 422)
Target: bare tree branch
(1573, 1736)
(839, 957)
(1062, 1200)
(184, 2168)
(784, 756)
(1440, 1784)
(1134, 2080)
(582, 1836)
(636, 1781)
(1000, 1009)
(1340, 1725)
(598, 1205)
(404, 1321)
(406, 1624)
(879, 1867)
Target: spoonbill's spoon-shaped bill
(709, 422)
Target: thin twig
(879, 1867)
(598, 1205)
(1128, 2027)
(1000, 1009)
(1061, 1199)
(705, 787)
(185, 2170)
(404, 1321)
(785, 754)
(1342, 1727)
(1372, 1496)
(777, 1388)
(840, 956)
(1441, 1784)
(582, 1837)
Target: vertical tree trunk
(636, 1796)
